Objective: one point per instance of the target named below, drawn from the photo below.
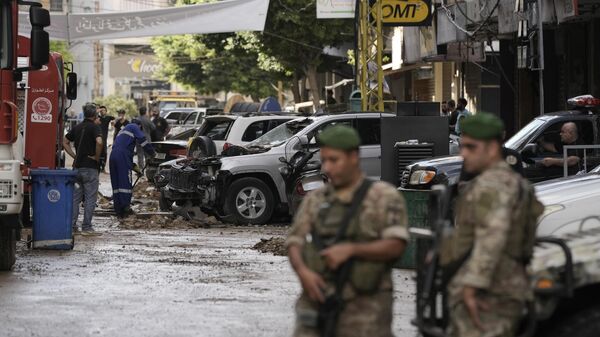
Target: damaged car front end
(197, 182)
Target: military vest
(524, 218)
(365, 276)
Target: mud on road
(161, 282)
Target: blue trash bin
(52, 203)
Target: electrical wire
(484, 23)
(310, 3)
(292, 40)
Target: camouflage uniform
(495, 216)
(382, 216)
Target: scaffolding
(370, 55)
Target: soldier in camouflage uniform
(376, 237)
(496, 215)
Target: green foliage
(215, 62)
(117, 102)
(62, 48)
(296, 38)
(251, 63)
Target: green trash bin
(355, 101)
(417, 204)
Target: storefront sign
(133, 66)
(335, 9)
(405, 12)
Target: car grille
(6, 189)
(184, 179)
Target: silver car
(570, 204)
(249, 188)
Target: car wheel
(8, 249)
(164, 204)
(250, 201)
(202, 146)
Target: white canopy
(217, 17)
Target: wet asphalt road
(183, 282)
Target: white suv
(224, 130)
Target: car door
(369, 130)
(533, 168)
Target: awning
(217, 17)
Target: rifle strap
(357, 200)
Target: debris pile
(104, 202)
(145, 190)
(273, 245)
(164, 222)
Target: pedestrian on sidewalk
(462, 112)
(120, 123)
(147, 128)
(161, 126)
(87, 138)
(121, 165)
(105, 121)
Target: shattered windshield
(280, 134)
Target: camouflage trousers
(363, 316)
(502, 320)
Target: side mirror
(39, 17)
(40, 40)
(72, 86)
(40, 48)
(304, 140)
(529, 150)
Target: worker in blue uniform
(121, 164)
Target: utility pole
(541, 54)
(370, 52)
(97, 60)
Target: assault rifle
(432, 316)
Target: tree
(216, 62)
(296, 39)
(62, 48)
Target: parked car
(193, 120)
(570, 204)
(446, 170)
(224, 130)
(249, 188)
(174, 117)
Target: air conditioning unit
(408, 152)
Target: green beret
(482, 126)
(339, 137)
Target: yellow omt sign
(404, 12)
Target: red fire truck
(11, 142)
(42, 97)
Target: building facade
(493, 53)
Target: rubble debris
(164, 222)
(104, 202)
(274, 245)
(145, 190)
